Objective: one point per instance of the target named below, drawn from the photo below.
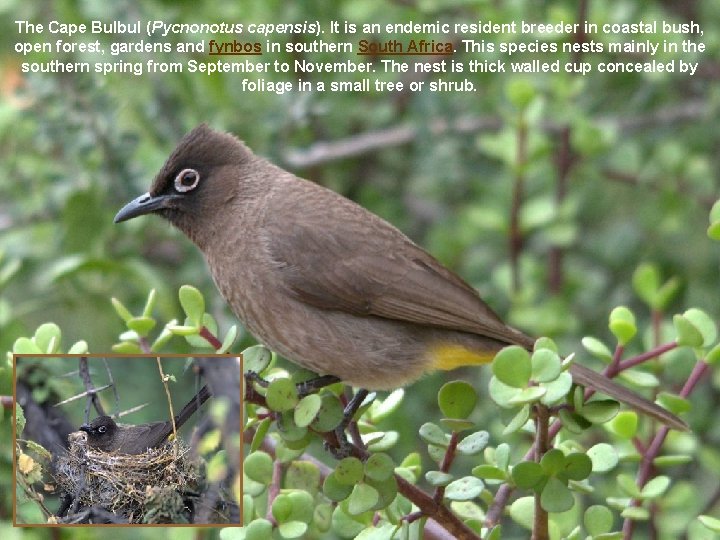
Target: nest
(145, 488)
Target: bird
(104, 434)
(325, 282)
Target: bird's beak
(85, 428)
(144, 204)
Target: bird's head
(200, 176)
(100, 432)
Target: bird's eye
(186, 180)
(102, 429)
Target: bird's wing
(325, 261)
(136, 438)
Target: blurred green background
(614, 170)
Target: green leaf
(258, 529)
(334, 490)
(330, 414)
(512, 366)
(349, 471)
(25, 345)
(121, 310)
(518, 421)
(522, 511)
(667, 292)
(387, 490)
(453, 424)
(502, 456)
(163, 337)
(382, 409)
(307, 409)
(229, 340)
(713, 356)
(489, 472)
(303, 476)
(183, 330)
(622, 324)
(688, 335)
(464, 489)
(47, 337)
(457, 399)
(556, 497)
(256, 358)
(604, 457)
(80, 347)
(598, 520)
(520, 92)
(600, 411)
(302, 504)
(260, 433)
(438, 479)
(624, 424)
(292, 529)
(636, 513)
(546, 365)
(150, 303)
(530, 394)
(643, 379)
(281, 507)
(557, 389)
(572, 421)
(705, 325)
(627, 485)
(363, 498)
(141, 325)
(672, 461)
(193, 304)
(528, 474)
(674, 403)
(126, 347)
(711, 523)
(646, 282)
(715, 212)
(432, 434)
(655, 487)
(597, 348)
(577, 466)
(383, 443)
(501, 393)
(379, 467)
(552, 462)
(474, 443)
(281, 395)
(258, 466)
(713, 231)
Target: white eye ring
(186, 180)
(102, 429)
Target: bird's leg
(253, 377)
(344, 448)
(313, 385)
(303, 389)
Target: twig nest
(153, 487)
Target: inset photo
(123, 440)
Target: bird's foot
(345, 448)
(313, 385)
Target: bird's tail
(587, 377)
(193, 405)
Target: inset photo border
(123, 440)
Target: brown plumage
(324, 282)
(106, 435)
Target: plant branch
(542, 443)
(653, 449)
